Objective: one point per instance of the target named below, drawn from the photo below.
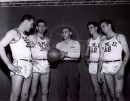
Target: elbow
(1, 45)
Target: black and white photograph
(64, 50)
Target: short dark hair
(40, 21)
(27, 17)
(107, 21)
(95, 24)
(66, 27)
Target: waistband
(106, 61)
(69, 61)
(93, 61)
(26, 60)
(41, 59)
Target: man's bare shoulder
(102, 37)
(32, 37)
(120, 37)
(101, 41)
(88, 40)
(12, 32)
(47, 38)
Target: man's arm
(87, 54)
(48, 45)
(32, 40)
(101, 54)
(76, 53)
(100, 61)
(121, 38)
(3, 43)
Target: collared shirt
(72, 47)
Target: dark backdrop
(76, 17)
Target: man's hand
(34, 62)
(30, 44)
(100, 78)
(15, 69)
(120, 74)
(87, 61)
(63, 54)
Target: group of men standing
(30, 65)
(104, 59)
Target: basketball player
(41, 67)
(21, 68)
(68, 71)
(111, 62)
(92, 56)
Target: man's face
(41, 27)
(104, 27)
(66, 33)
(29, 25)
(92, 29)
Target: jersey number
(108, 49)
(94, 50)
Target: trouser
(68, 80)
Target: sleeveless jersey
(94, 49)
(39, 50)
(20, 49)
(112, 49)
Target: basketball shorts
(26, 68)
(42, 67)
(111, 67)
(93, 68)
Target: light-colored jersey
(20, 49)
(94, 49)
(39, 51)
(112, 49)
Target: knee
(44, 92)
(97, 92)
(112, 95)
(15, 95)
(33, 92)
(24, 96)
(106, 92)
(118, 94)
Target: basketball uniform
(21, 55)
(39, 53)
(112, 55)
(94, 55)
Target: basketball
(53, 55)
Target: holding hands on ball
(63, 54)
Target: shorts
(26, 68)
(93, 68)
(42, 67)
(111, 67)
